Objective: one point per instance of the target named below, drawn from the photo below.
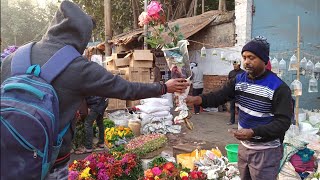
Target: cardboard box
(133, 103)
(115, 104)
(109, 63)
(121, 73)
(134, 74)
(123, 62)
(142, 59)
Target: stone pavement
(210, 130)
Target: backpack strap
(58, 62)
(63, 132)
(21, 59)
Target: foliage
(105, 166)
(22, 21)
(108, 123)
(79, 137)
(157, 162)
(121, 16)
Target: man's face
(252, 64)
(236, 65)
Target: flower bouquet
(105, 166)
(115, 136)
(161, 35)
(144, 144)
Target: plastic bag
(187, 160)
(120, 118)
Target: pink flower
(156, 171)
(154, 8)
(144, 19)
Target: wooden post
(202, 6)
(108, 26)
(135, 11)
(145, 28)
(222, 5)
(298, 72)
(195, 8)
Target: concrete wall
(243, 21)
(221, 35)
(277, 20)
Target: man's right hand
(177, 85)
(193, 100)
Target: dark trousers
(197, 92)
(259, 164)
(233, 111)
(88, 122)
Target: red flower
(185, 178)
(169, 166)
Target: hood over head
(71, 26)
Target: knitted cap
(258, 46)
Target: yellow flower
(183, 173)
(75, 162)
(85, 173)
(156, 178)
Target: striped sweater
(265, 104)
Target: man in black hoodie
(71, 26)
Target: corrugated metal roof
(188, 26)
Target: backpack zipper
(21, 139)
(51, 116)
(34, 82)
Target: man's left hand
(243, 134)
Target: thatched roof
(188, 26)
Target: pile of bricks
(213, 82)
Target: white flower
(212, 174)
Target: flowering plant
(105, 166)
(155, 17)
(114, 135)
(146, 143)
(170, 170)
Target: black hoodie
(71, 26)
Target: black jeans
(197, 92)
(232, 111)
(88, 122)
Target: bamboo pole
(145, 28)
(202, 6)
(298, 72)
(108, 26)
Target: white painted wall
(243, 21)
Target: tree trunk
(181, 9)
(135, 11)
(195, 7)
(108, 26)
(202, 5)
(222, 5)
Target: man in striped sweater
(265, 110)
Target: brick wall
(213, 82)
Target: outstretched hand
(177, 85)
(193, 100)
